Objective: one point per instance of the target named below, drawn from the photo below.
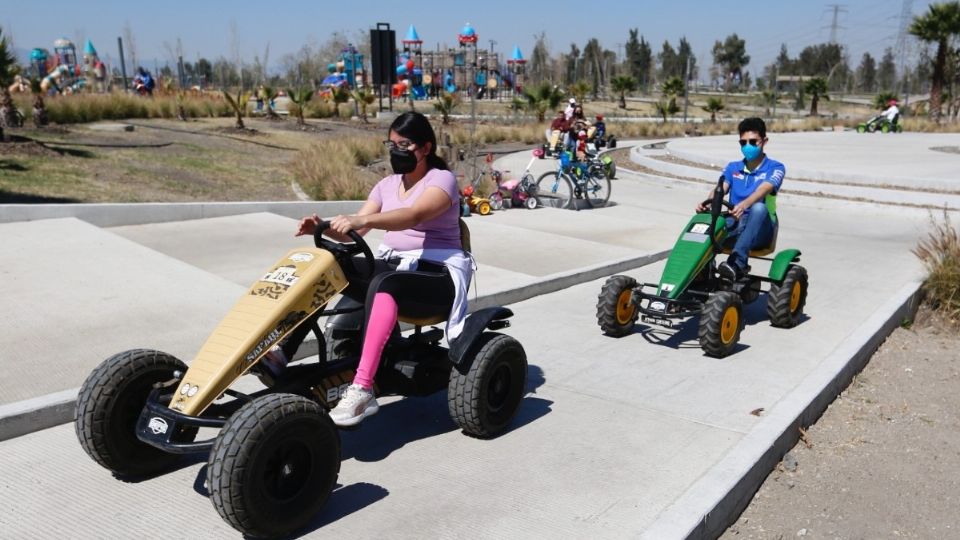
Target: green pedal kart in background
(691, 286)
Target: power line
(837, 10)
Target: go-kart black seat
(439, 318)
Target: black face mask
(403, 161)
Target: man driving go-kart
(753, 220)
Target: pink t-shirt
(441, 232)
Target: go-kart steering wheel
(708, 202)
(359, 245)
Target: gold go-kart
(276, 457)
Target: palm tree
(269, 94)
(8, 70)
(40, 117)
(300, 97)
(673, 87)
(363, 98)
(580, 89)
(939, 25)
(445, 105)
(622, 84)
(667, 108)
(817, 89)
(542, 98)
(338, 96)
(713, 106)
(239, 105)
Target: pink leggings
(383, 317)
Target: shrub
(940, 253)
(335, 168)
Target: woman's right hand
(308, 225)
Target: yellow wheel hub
(795, 296)
(625, 307)
(729, 325)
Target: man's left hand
(738, 210)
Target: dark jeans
(753, 230)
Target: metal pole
(776, 75)
(686, 89)
(180, 74)
(123, 64)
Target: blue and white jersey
(742, 182)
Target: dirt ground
(883, 460)
(159, 161)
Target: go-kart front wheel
(273, 465)
(861, 128)
(483, 400)
(786, 300)
(720, 323)
(616, 312)
(109, 405)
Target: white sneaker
(271, 366)
(356, 404)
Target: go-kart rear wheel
(612, 170)
(483, 208)
(786, 300)
(720, 323)
(274, 465)
(109, 405)
(616, 312)
(484, 400)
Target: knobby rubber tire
(778, 300)
(607, 303)
(711, 323)
(274, 465)
(109, 405)
(484, 400)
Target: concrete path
(617, 437)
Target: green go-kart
(691, 286)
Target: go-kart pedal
(730, 272)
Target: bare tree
(130, 44)
(235, 49)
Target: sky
(204, 26)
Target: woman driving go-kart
(421, 270)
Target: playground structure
(467, 68)
(410, 76)
(62, 73)
(347, 72)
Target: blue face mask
(751, 152)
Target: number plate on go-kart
(657, 320)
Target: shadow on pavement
(344, 500)
(684, 335)
(413, 418)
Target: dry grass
(336, 168)
(940, 253)
(81, 108)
